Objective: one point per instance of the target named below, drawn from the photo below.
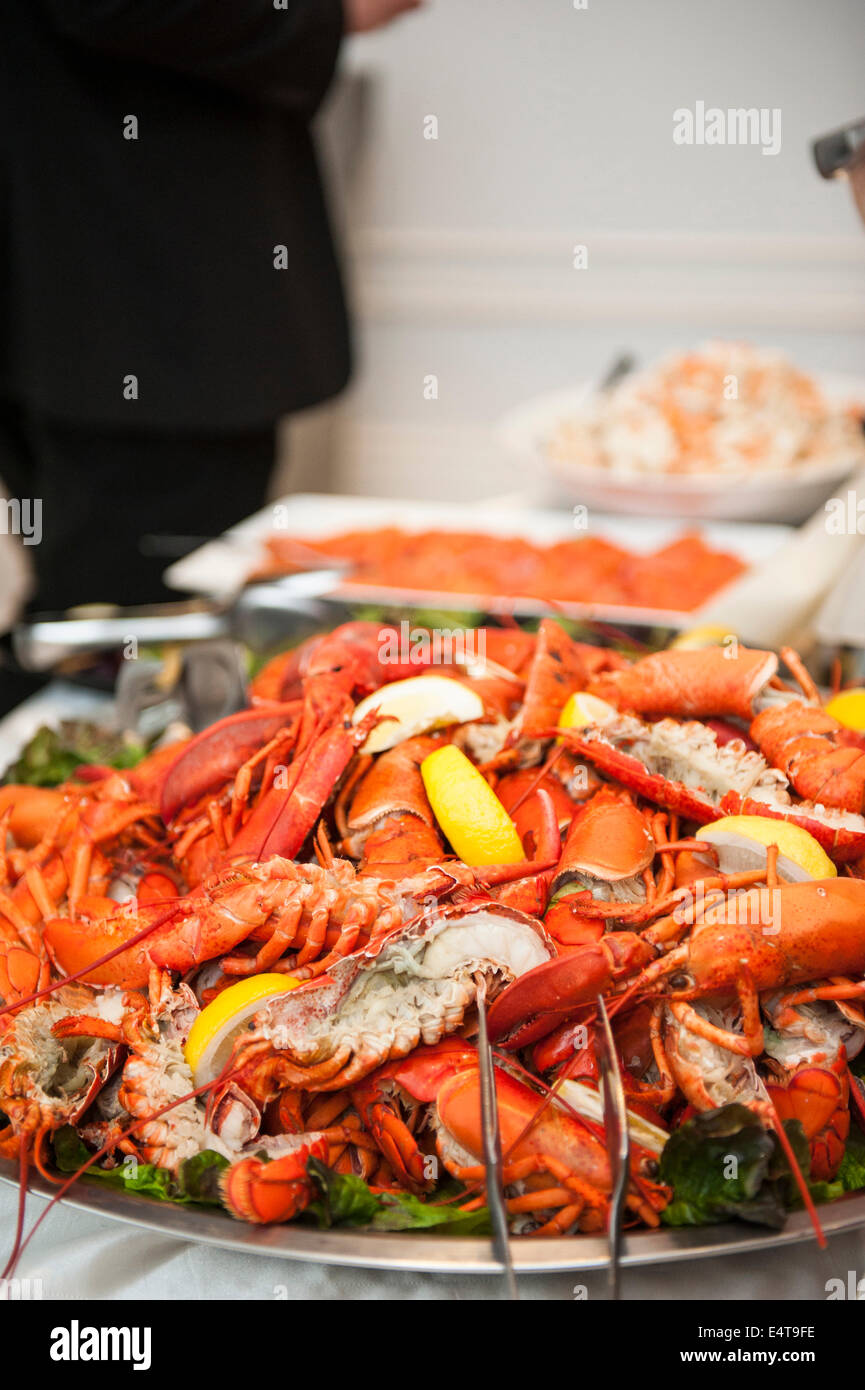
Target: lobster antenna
(17, 1246)
(21, 1245)
(546, 767)
(93, 965)
(798, 1175)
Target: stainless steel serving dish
(440, 1254)
(407, 1251)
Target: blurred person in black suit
(167, 268)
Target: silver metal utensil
(492, 1142)
(617, 1138)
(41, 642)
(622, 366)
(196, 685)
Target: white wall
(555, 127)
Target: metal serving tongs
(492, 1141)
(617, 1138)
(41, 642)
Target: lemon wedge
(213, 1033)
(582, 709)
(707, 635)
(848, 708)
(415, 706)
(468, 810)
(741, 842)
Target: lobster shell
(691, 684)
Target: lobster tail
(823, 760)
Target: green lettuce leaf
(346, 1200)
(195, 1181)
(851, 1174)
(449, 618)
(197, 1178)
(723, 1164)
(53, 755)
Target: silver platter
(438, 1254)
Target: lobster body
(750, 941)
(561, 1160)
(412, 985)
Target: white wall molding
(471, 276)
(462, 243)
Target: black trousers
(101, 492)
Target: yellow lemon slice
(741, 842)
(849, 709)
(213, 1033)
(416, 705)
(468, 810)
(582, 709)
(707, 635)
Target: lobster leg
(280, 940)
(392, 1135)
(748, 1043)
(285, 815)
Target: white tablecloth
(80, 1256)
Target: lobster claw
(608, 839)
(30, 811)
(74, 945)
(216, 754)
(535, 1003)
(542, 998)
(101, 942)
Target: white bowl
(789, 496)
